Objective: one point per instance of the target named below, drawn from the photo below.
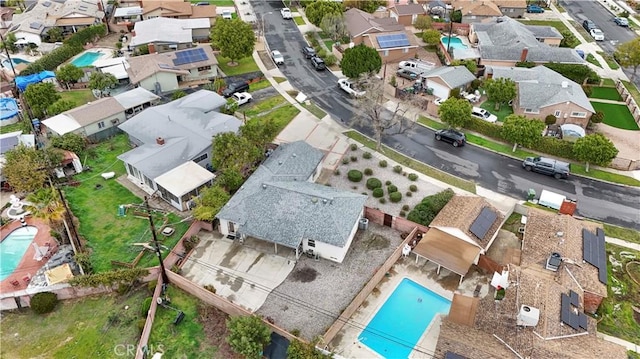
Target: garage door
(440, 91)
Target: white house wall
(331, 252)
(95, 127)
(168, 82)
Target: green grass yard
(264, 105)
(606, 93)
(79, 97)
(328, 43)
(592, 59)
(242, 66)
(505, 110)
(299, 20)
(315, 110)
(616, 115)
(262, 84)
(611, 62)
(13, 127)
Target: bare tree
(334, 25)
(391, 119)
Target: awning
(450, 252)
(58, 274)
(61, 124)
(184, 178)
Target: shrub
(413, 188)
(383, 201)
(368, 171)
(330, 60)
(424, 212)
(392, 188)
(413, 176)
(345, 160)
(140, 324)
(151, 286)
(550, 119)
(395, 197)
(408, 194)
(353, 147)
(387, 183)
(403, 214)
(367, 155)
(378, 192)
(337, 172)
(210, 288)
(354, 176)
(588, 90)
(295, 332)
(146, 305)
(44, 302)
(397, 169)
(354, 158)
(406, 207)
(382, 163)
(373, 183)
(597, 117)
(190, 243)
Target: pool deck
(346, 343)
(28, 266)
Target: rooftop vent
(294, 155)
(528, 316)
(160, 141)
(324, 201)
(314, 200)
(553, 262)
(559, 234)
(264, 186)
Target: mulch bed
(214, 322)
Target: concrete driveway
(243, 274)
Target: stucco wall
(168, 82)
(95, 128)
(564, 109)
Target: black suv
(318, 63)
(589, 25)
(454, 137)
(547, 166)
(308, 52)
(238, 86)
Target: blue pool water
(402, 319)
(86, 59)
(456, 43)
(13, 247)
(15, 61)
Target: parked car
(588, 25)
(318, 63)
(439, 101)
(238, 86)
(456, 138)
(548, 166)
(597, 34)
(535, 9)
(286, 13)
(621, 21)
(277, 57)
(407, 74)
(308, 52)
(483, 114)
(242, 97)
(348, 87)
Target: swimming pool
(13, 248)
(455, 43)
(398, 325)
(15, 61)
(87, 59)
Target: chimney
(160, 141)
(565, 84)
(523, 56)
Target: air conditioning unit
(553, 262)
(528, 316)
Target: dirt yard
(214, 322)
(627, 142)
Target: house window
(200, 158)
(405, 50)
(557, 113)
(311, 243)
(204, 68)
(167, 195)
(579, 114)
(530, 110)
(385, 53)
(148, 181)
(101, 124)
(511, 10)
(231, 228)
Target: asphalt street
(596, 200)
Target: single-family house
(506, 42)
(476, 11)
(463, 230)
(512, 8)
(173, 146)
(164, 34)
(446, 78)
(178, 10)
(69, 16)
(280, 203)
(99, 119)
(406, 14)
(170, 71)
(542, 92)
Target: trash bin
(531, 194)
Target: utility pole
(165, 279)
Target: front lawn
(315, 110)
(611, 62)
(606, 93)
(592, 59)
(262, 84)
(616, 115)
(626, 234)
(111, 237)
(505, 110)
(281, 116)
(242, 66)
(79, 97)
(299, 20)
(264, 105)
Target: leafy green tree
(359, 60)
(25, 169)
(47, 205)
(500, 91)
(233, 151)
(334, 25)
(423, 22)
(260, 132)
(321, 8)
(210, 202)
(456, 112)
(40, 96)
(142, 50)
(365, 5)
(69, 74)
(70, 142)
(102, 81)
(628, 54)
(575, 72)
(300, 350)
(521, 130)
(54, 34)
(9, 43)
(456, 16)
(235, 38)
(471, 65)
(431, 37)
(248, 335)
(60, 106)
(178, 94)
(596, 149)
(231, 179)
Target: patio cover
(58, 274)
(184, 178)
(453, 253)
(61, 124)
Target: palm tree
(47, 205)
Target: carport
(441, 246)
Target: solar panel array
(190, 56)
(389, 41)
(594, 253)
(483, 222)
(567, 315)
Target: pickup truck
(547, 166)
(286, 13)
(241, 98)
(349, 88)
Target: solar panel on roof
(190, 56)
(593, 251)
(483, 222)
(575, 299)
(390, 41)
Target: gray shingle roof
(361, 22)
(187, 125)
(278, 204)
(541, 87)
(453, 76)
(505, 40)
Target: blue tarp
(8, 108)
(23, 81)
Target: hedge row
(425, 211)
